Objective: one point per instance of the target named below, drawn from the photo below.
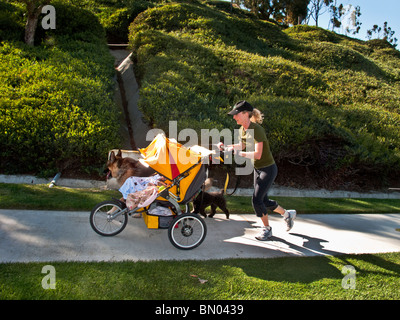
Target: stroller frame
(185, 230)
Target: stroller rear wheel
(109, 218)
(187, 231)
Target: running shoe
(265, 234)
(289, 217)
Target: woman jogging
(253, 144)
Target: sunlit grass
(317, 278)
(59, 198)
(42, 197)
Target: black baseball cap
(241, 106)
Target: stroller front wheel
(187, 231)
(108, 218)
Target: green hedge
(56, 100)
(11, 22)
(323, 95)
(114, 15)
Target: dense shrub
(330, 101)
(314, 86)
(56, 100)
(379, 44)
(11, 22)
(114, 15)
(305, 32)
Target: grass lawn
(41, 197)
(317, 278)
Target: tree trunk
(32, 22)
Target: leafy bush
(379, 44)
(114, 15)
(329, 101)
(11, 23)
(56, 100)
(314, 86)
(312, 33)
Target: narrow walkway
(134, 130)
(67, 236)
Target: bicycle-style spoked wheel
(108, 218)
(187, 231)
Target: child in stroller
(141, 191)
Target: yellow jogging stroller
(184, 170)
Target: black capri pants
(263, 180)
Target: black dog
(213, 199)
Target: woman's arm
(230, 147)
(256, 155)
(234, 147)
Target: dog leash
(226, 182)
(236, 185)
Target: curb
(277, 191)
(62, 182)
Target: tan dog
(122, 168)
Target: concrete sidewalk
(67, 236)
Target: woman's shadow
(310, 245)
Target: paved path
(67, 236)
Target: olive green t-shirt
(250, 137)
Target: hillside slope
(331, 103)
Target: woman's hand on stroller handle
(224, 148)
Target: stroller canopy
(173, 160)
(168, 157)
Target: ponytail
(256, 116)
